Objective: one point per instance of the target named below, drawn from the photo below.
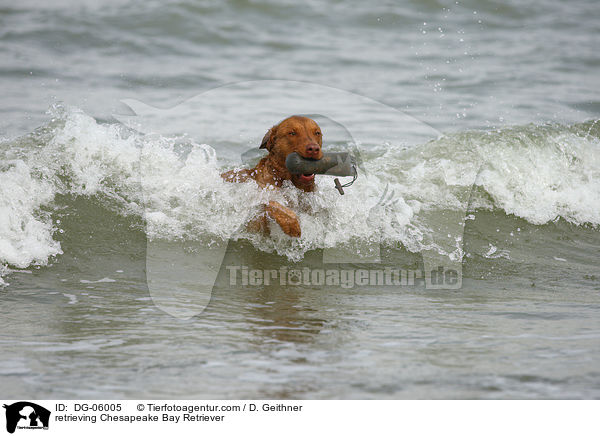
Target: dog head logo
(26, 415)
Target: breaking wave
(540, 173)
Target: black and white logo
(26, 415)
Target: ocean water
(476, 128)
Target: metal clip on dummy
(331, 164)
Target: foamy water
(539, 173)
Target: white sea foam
(544, 174)
(25, 232)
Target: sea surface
(475, 125)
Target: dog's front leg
(285, 217)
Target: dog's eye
(292, 133)
(318, 133)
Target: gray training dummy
(331, 164)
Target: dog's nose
(312, 150)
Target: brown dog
(294, 134)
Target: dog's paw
(286, 218)
(292, 229)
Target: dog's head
(295, 134)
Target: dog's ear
(269, 139)
(265, 139)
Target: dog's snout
(313, 149)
